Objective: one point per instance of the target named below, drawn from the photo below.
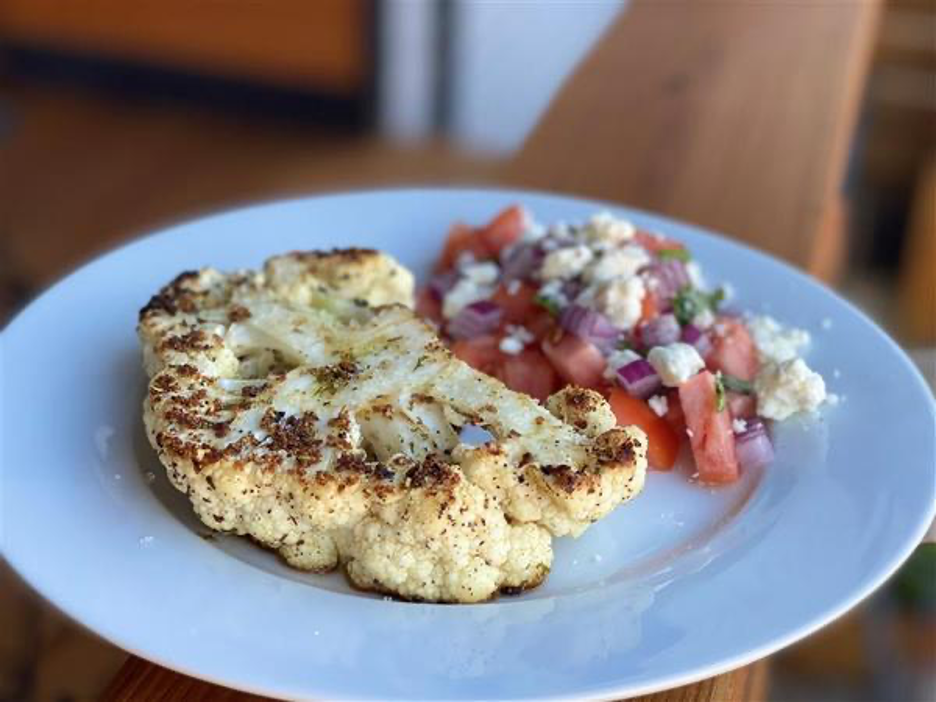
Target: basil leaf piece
(674, 255)
(733, 384)
(719, 392)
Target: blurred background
(806, 129)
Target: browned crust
(175, 296)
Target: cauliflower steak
(307, 407)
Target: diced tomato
(519, 306)
(710, 434)
(740, 405)
(504, 229)
(428, 307)
(675, 416)
(530, 372)
(663, 442)
(484, 242)
(541, 325)
(649, 307)
(733, 351)
(461, 238)
(481, 353)
(577, 362)
(655, 243)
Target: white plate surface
(679, 585)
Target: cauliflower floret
(786, 388)
(452, 545)
(351, 274)
(327, 429)
(584, 409)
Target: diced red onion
(521, 262)
(670, 277)
(476, 319)
(753, 446)
(571, 289)
(440, 284)
(588, 325)
(639, 379)
(694, 336)
(660, 331)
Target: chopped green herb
(733, 384)
(716, 298)
(548, 304)
(689, 302)
(419, 362)
(674, 255)
(719, 392)
(625, 344)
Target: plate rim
(605, 692)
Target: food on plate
(606, 305)
(306, 406)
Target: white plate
(680, 585)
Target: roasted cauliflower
(307, 407)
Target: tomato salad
(606, 305)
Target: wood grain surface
(139, 680)
(734, 115)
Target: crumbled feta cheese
(775, 342)
(704, 319)
(738, 426)
(511, 345)
(618, 359)
(617, 263)
(522, 333)
(621, 301)
(659, 405)
(606, 228)
(481, 273)
(786, 388)
(566, 263)
(553, 292)
(675, 363)
(516, 339)
(462, 294)
(694, 272)
(513, 287)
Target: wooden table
(733, 115)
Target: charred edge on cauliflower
(173, 297)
